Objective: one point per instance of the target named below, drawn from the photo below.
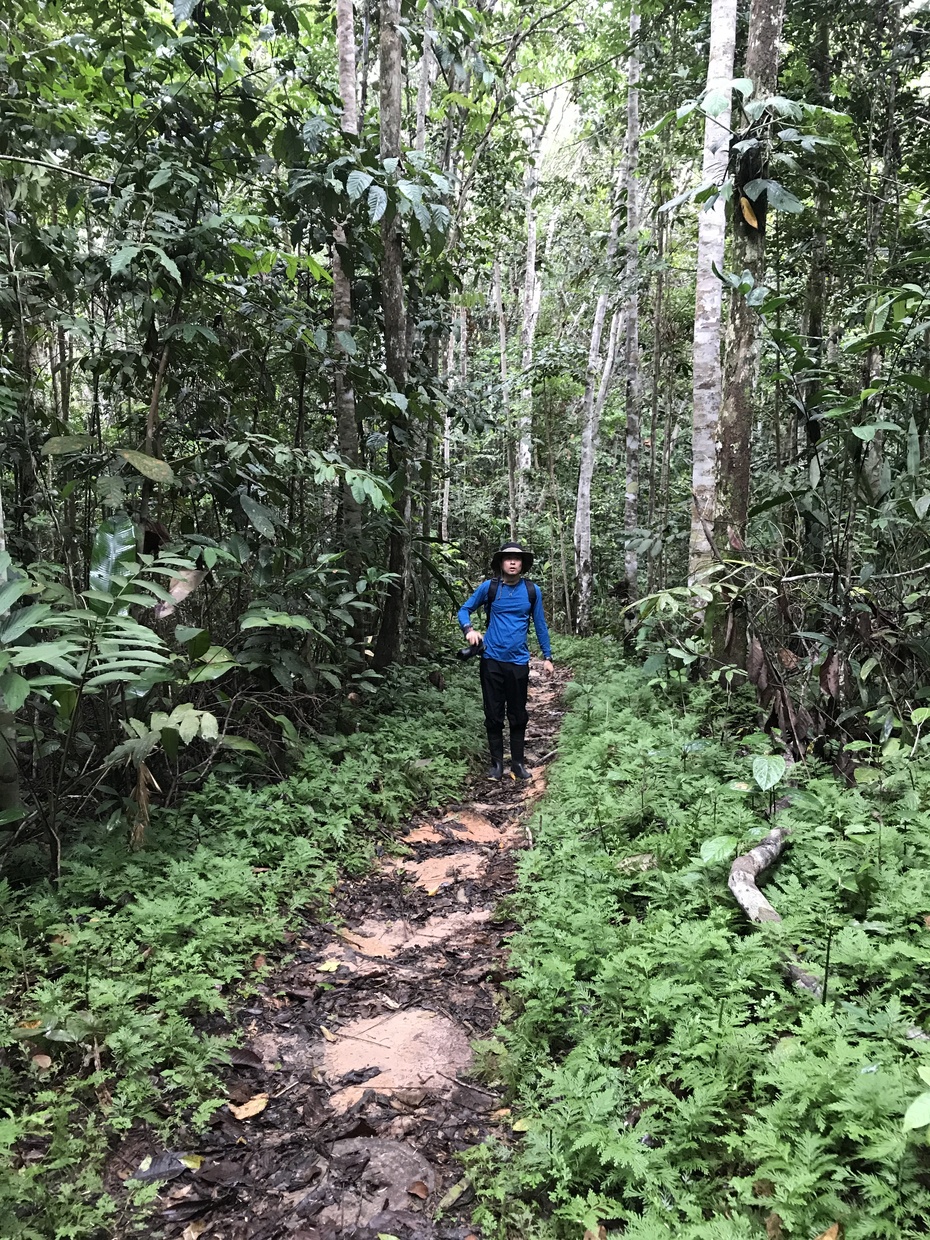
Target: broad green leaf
(123, 257)
(917, 1114)
(14, 689)
(719, 849)
(22, 620)
(920, 715)
(63, 445)
(148, 466)
(377, 203)
(357, 183)
(12, 591)
(114, 548)
(259, 516)
(209, 727)
(918, 382)
(347, 343)
(183, 10)
(768, 770)
(188, 726)
(241, 744)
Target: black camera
(469, 652)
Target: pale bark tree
(497, 299)
(631, 350)
(346, 418)
(591, 407)
(736, 414)
(532, 292)
(424, 86)
(393, 627)
(707, 379)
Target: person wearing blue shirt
(505, 653)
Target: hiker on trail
(510, 600)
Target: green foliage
(668, 1076)
(120, 973)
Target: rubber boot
(496, 749)
(517, 766)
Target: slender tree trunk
(424, 88)
(498, 300)
(593, 407)
(532, 295)
(631, 345)
(590, 420)
(10, 795)
(736, 413)
(350, 511)
(393, 303)
(706, 349)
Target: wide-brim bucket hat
(512, 550)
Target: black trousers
(503, 689)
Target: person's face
(512, 565)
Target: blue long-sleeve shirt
(506, 636)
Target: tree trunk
(527, 331)
(593, 407)
(498, 299)
(350, 522)
(424, 88)
(706, 349)
(532, 294)
(10, 795)
(631, 345)
(736, 413)
(394, 615)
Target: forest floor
(351, 1095)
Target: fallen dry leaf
(391, 1003)
(832, 1233)
(42, 1061)
(600, 1234)
(328, 966)
(418, 1189)
(330, 1037)
(259, 962)
(193, 1230)
(253, 1107)
(773, 1229)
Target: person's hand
(548, 668)
(473, 637)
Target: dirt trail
(361, 1044)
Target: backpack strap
(494, 586)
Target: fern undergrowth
(669, 1081)
(114, 978)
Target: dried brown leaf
(832, 1233)
(254, 1106)
(773, 1227)
(330, 1037)
(42, 1061)
(418, 1189)
(830, 675)
(749, 215)
(193, 1230)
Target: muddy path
(351, 1095)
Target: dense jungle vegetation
(304, 308)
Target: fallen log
(742, 882)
